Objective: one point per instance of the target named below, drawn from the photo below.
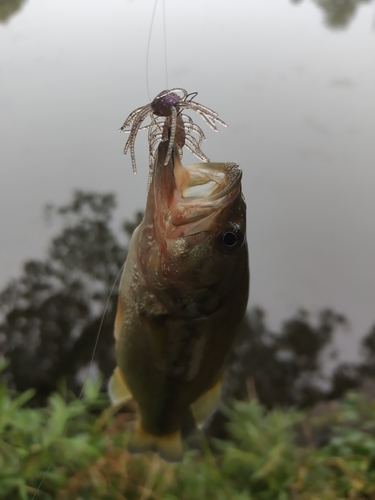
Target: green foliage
(257, 462)
(70, 450)
(45, 446)
(262, 460)
(262, 451)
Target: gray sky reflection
(299, 100)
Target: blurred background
(295, 81)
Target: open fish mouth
(206, 181)
(197, 191)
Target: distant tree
(346, 376)
(52, 314)
(367, 367)
(368, 343)
(286, 366)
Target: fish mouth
(201, 190)
(206, 181)
(196, 193)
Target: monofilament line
(149, 44)
(165, 46)
(88, 372)
(99, 331)
(148, 49)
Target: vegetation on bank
(76, 449)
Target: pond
(295, 81)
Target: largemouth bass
(183, 291)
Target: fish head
(194, 237)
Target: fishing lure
(170, 104)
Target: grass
(76, 449)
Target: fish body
(183, 294)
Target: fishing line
(148, 48)
(165, 45)
(99, 331)
(88, 372)
(149, 45)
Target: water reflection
(51, 314)
(301, 118)
(338, 13)
(8, 8)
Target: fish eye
(231, 238)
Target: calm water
(299, 97)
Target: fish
(185, 283)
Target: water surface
(298, 94)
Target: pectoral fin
(169, 447)
(117, 390)
(204, 406)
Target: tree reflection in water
(338, 13)
(8, 8)
(52, 313)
